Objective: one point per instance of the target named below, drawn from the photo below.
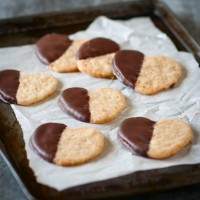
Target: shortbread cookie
(23, 88)
(67, 62)
(59, 52)
(152, 139)
(145, 74)
(51, 46)
(66, 146)
(98, 106)
(95, 57)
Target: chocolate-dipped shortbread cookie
(154, 139)
(23, 88)
(59, 52)
(94, 57)
(145, 74)
(98, 106)
(59, 144)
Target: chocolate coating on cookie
(75, 103)
(136, 133)
(97, 47)
(44, 140)
(9, 83)
(127, 65)
(51, 46)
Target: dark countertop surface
(186, 11)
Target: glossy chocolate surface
(97, 47)
(75, 103)
(136, 133)
(9, 83)
(127, 65)
(51, 46)
(44, 140)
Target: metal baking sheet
(26, 30)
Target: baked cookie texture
(66, 146)
(157, 140)
(94, 57)
(105, 105)
(98, 106)
(35, 87)
(169, 136)
(58, 51)
(51, 46)
(99, 67)
(67, 61)
(78, 145)
(146, 74)
(26, 88)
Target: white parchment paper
(183, 101)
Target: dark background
(187, 11)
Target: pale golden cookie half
(67, 62)
(146, 74)
(66, 146)
(58, 51)
(97, 106)
(94, 57)
(78, 145)
(169, 137)
(157, 73)
(157, 140)
(26, 88)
